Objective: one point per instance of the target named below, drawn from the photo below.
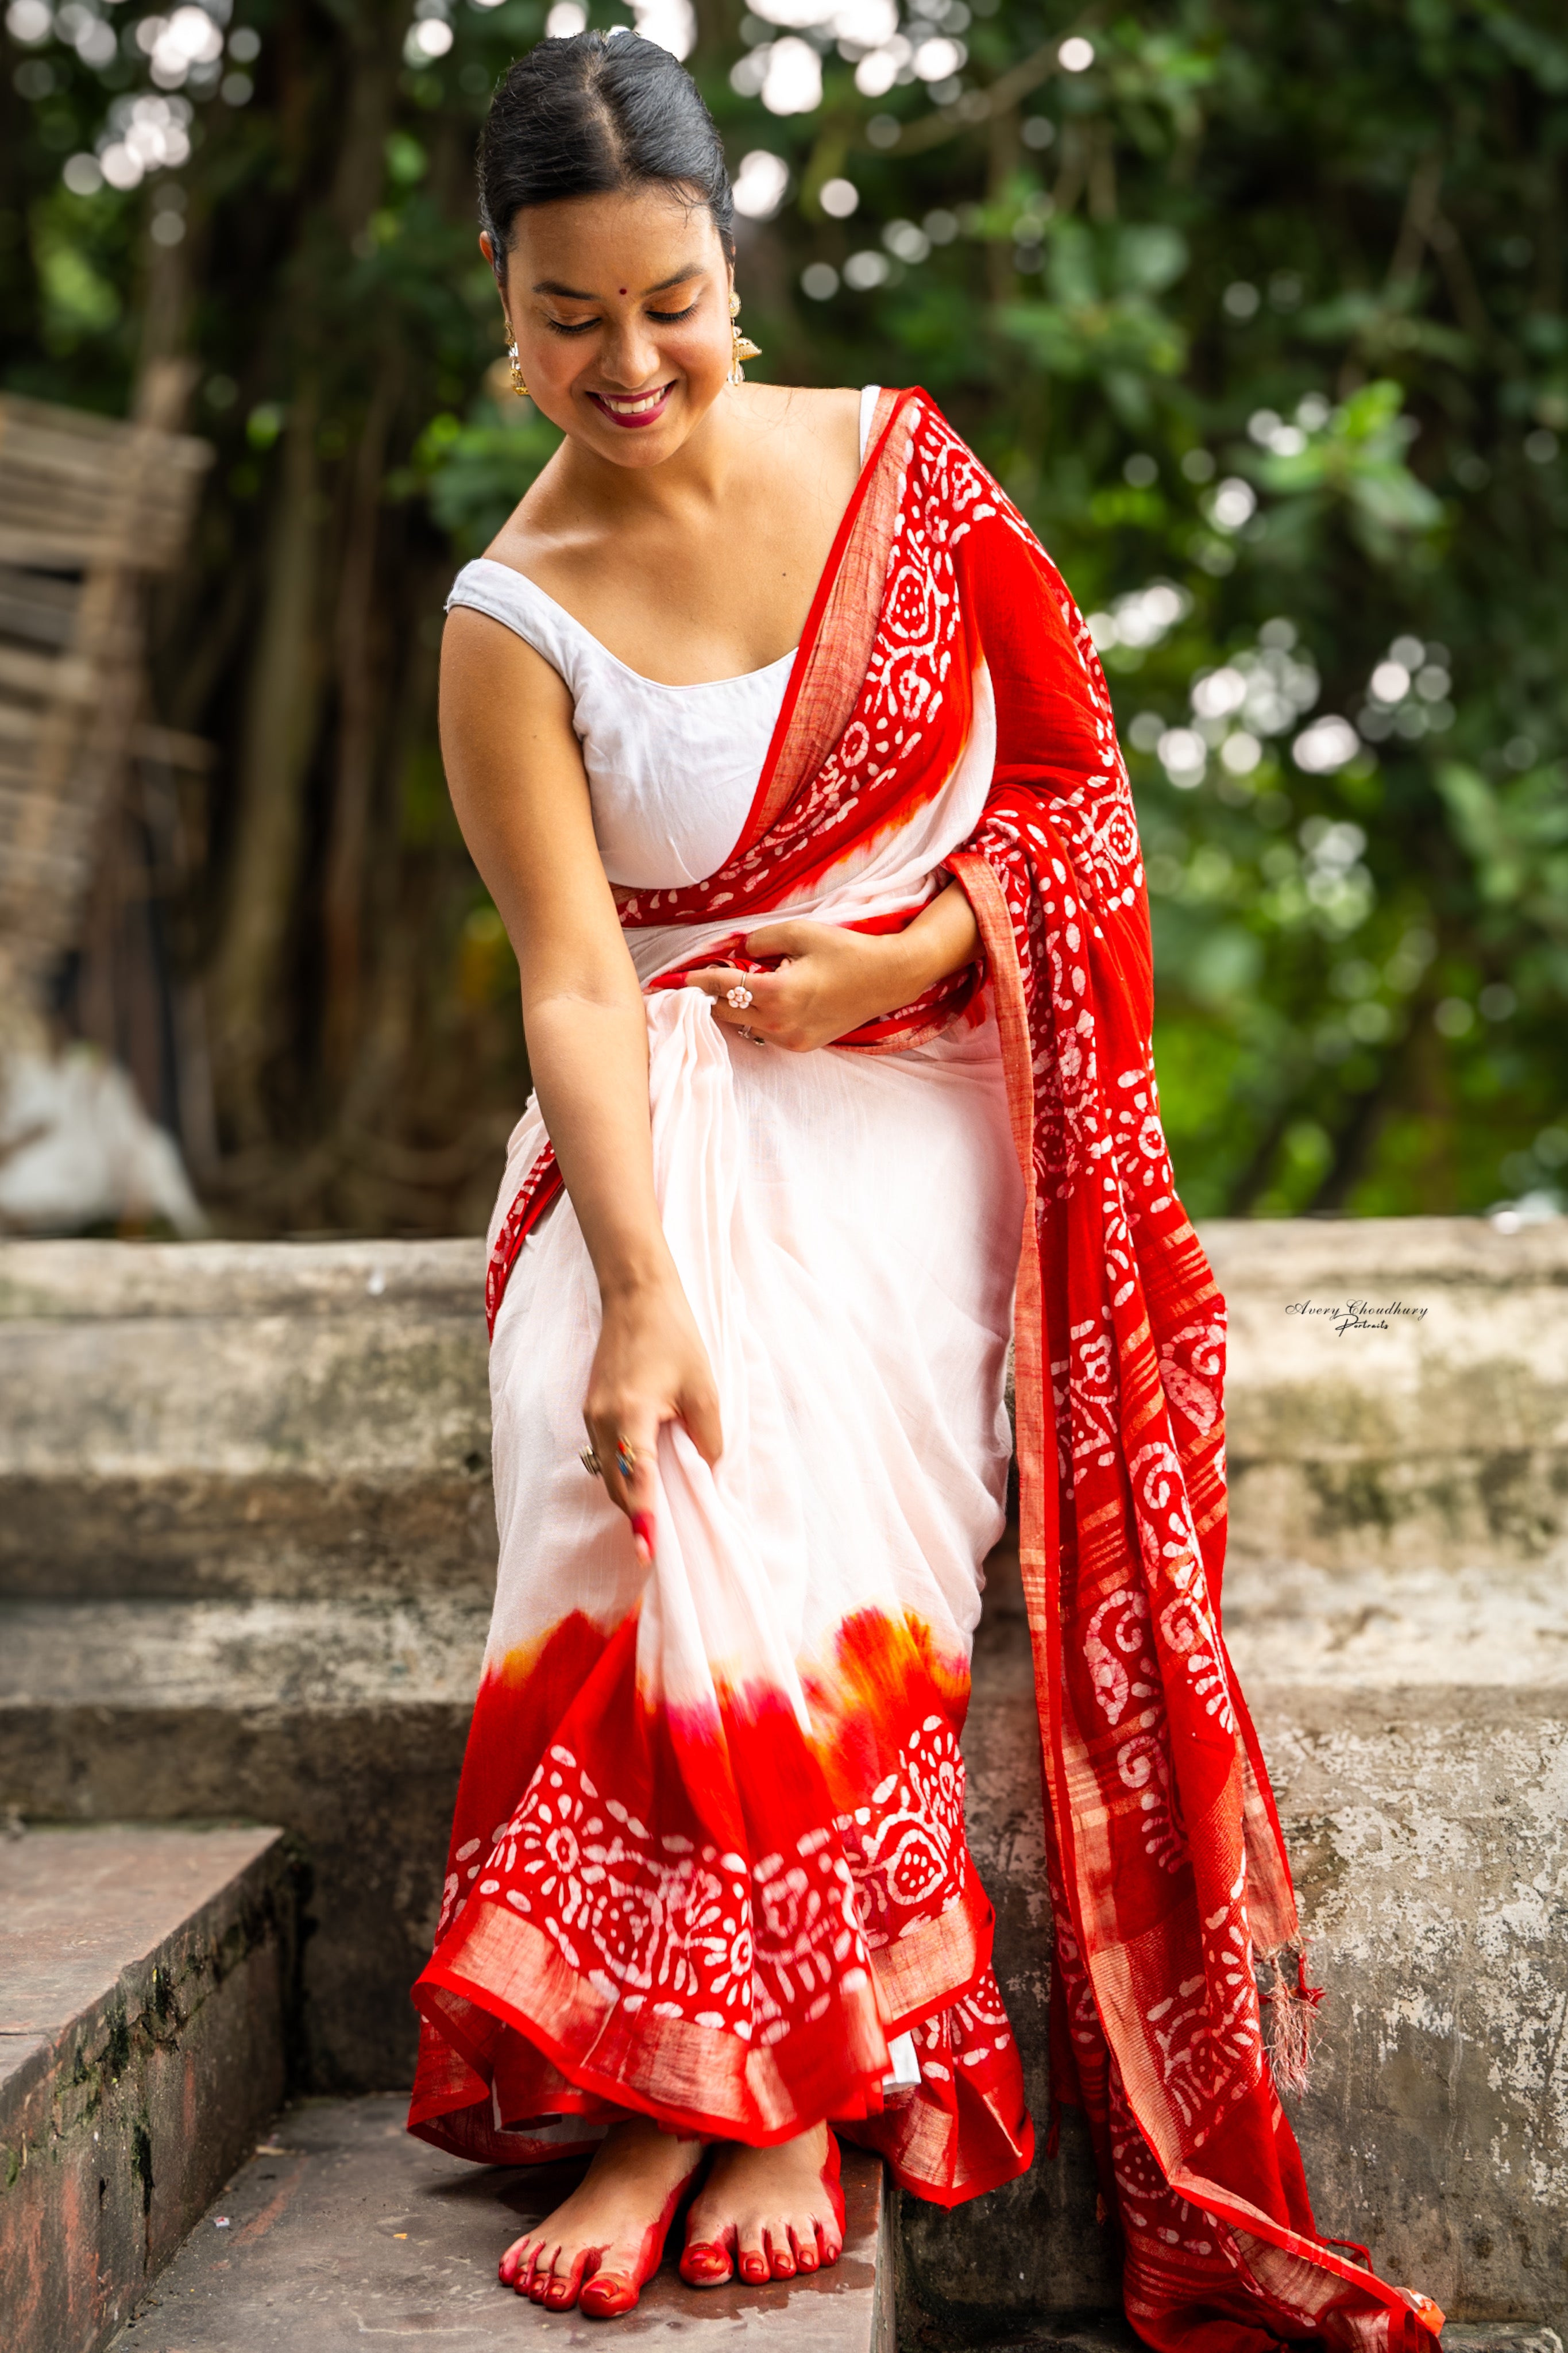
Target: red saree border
(708, 2081)
(902, 2161)
(817, 652)
(1034, 1410)
(1318, 2263)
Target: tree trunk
(357, 709)
(282, 704)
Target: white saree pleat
(846, 1229)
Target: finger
(713, 979)
(699, 1411)
(796, 937)
(756, 988)
(624, 1447)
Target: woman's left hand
(828, 983)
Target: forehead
(633, 237)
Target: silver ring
(739, 997)
(590, 1462)
(750, 1035)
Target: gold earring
(741, 345)
(518, 384)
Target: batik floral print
(680, 1918)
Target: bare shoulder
(826, 419)
(490, 677)
(546, 521)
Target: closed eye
(669, 318)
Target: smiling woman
(790, 767)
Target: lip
(632, 424)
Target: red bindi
(623, 290)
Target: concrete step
(247, 1555)
(254, 1420)
(146, 1974)
(341, 2229)
(245, 1550)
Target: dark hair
(590, 114)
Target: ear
(487, 248)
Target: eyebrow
(575, 293)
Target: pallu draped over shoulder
(708, 1860)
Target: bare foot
(599, 2247)
(767, 2212)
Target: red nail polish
(643, 1537)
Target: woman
(788, 763)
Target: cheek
(703, 355)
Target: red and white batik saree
(709, 1858)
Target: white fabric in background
(77, 1149)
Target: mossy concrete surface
(246, 1549)
(145, 1977)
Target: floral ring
(739, 997)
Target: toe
(537, 2283)
(511, 2263)
(804, 2241)
(564, 2282)
(782, 2252)
(754, 2264)
(706, 2260)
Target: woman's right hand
(650, 1367)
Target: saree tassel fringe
(1292, 2027)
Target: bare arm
(521, 794)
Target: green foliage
(474, 473)
(1258, 312)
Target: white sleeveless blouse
(673, 770)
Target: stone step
(306, 1420)
(341, 2228)
(245, 1549)
(253, 1419)
(365, 1792)
(145, 1974)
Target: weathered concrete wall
(245, 1527)
(1399, 1496)
(145, 1978)
(1428, 1831)
(1397, 1609)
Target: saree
(721, 1896)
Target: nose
(628, 356)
